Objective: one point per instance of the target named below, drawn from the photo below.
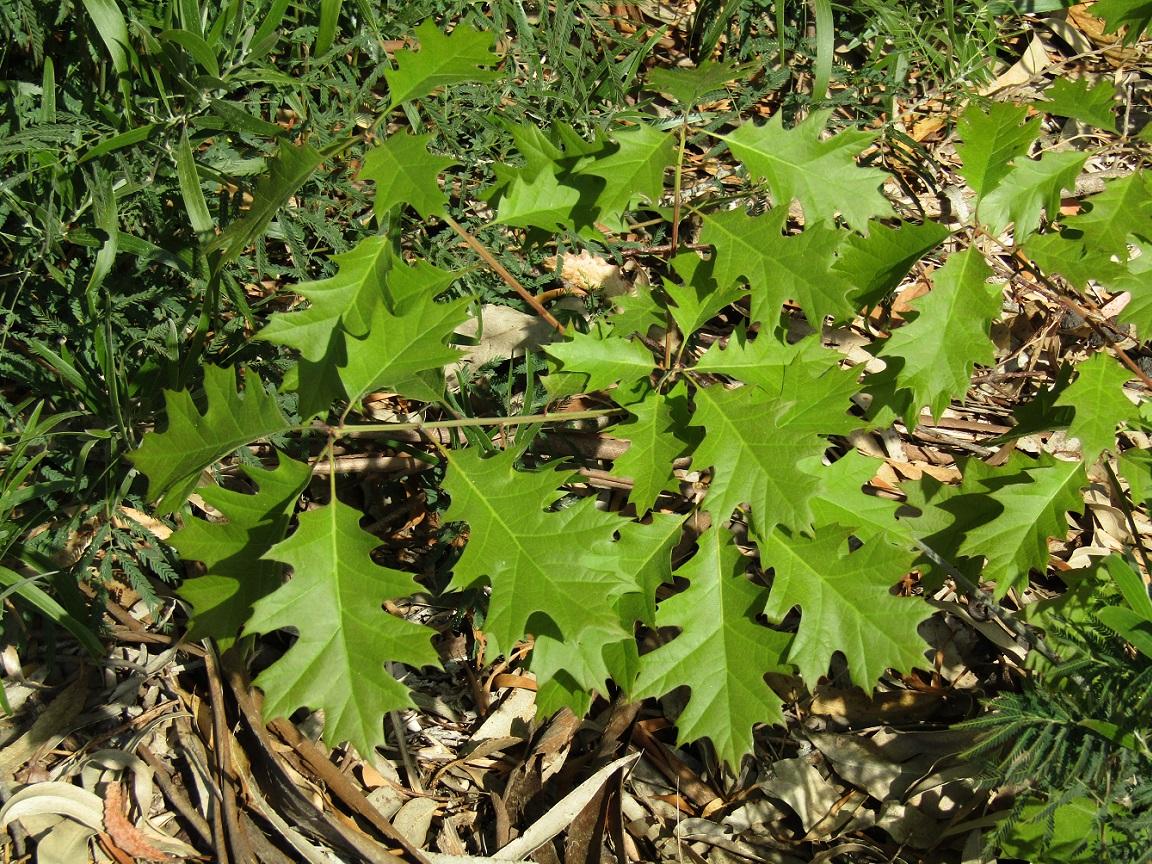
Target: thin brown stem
(556, 417)
(1126, 507)
(1089, 311)
(677, 203)
(501, 271)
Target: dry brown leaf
(121, 830)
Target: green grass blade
(825, 45)
(116, 142)
(25, 588)
(291, 169)
(113, 30)
(107, 219)
(267, 35)
(190, 190)
(197, 48)
(48, 94)
(329, 18)
(190, 17)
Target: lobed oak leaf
(934, 370)
(288, 171)
(1031, 187)
(397, 347)
(690, 86)
(236, 574)
(441, 60)
(1134, 16)
(549, 571)
(335, 603)
(992, 138)
(634, 172)
(846, 603)
(540, 202)
(819, 173)
(755, 459)
(1098, 400)
(596, 361)
(721, 652)
(778, 267)
(346, 300)
(875, 264)
(173, 460)
(699, 297)
(657, 435)
(1094, 104)
(406, 173)
(1006, 515)
(1111, 217)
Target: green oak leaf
(1091, 104)
(539, 152)
(441, 60)
(397, 347)
(763, 360)
(812, 392)
(935, 369)
(173, 460)
(411, 284)
(634, 172)
(1136, 467)
(317, 384)
(845, 602)
(1006, 515)
(699, 298)
(596, 361)
(550, 191)
(290, 170)
(992, 138)
(527, 554)
(819, 173)
(721, 652)
(1040, 414)
(1135, 16)
(347, 299)
(1097, 397)
(406, 173)
(874, 265)
(540, 202)
(690, 86)
(754, 458)
(930, 521)
(236, 574)
(335, 603)
(1066, 253)
(642, 552)
(778, 268)
(637, 313)
(570, 672)
(1031, 186)
(843, 500)
(1136, 279)
(657, 437)
(1122, 210)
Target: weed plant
(177, 177)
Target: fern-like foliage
(1073, 747)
